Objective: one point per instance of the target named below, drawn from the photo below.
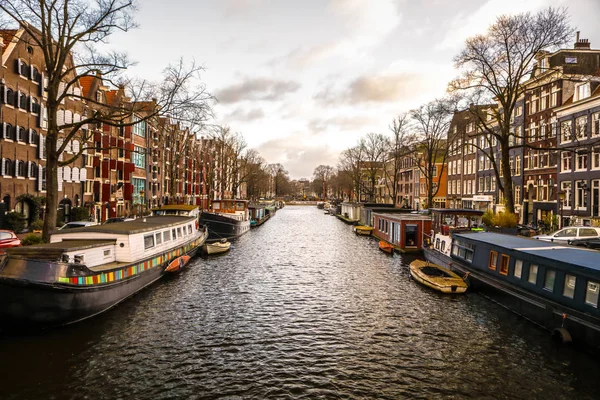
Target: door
(395, 233)
(410, 235)
(595, 197)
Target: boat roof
(403, 216)
(182, 207)
(53, 251)
(138, 225)
(460, 211)
(538, 248)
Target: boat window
(166, 235)
(549, 281)
(174, 234)
(533, 269)
(443, 246)
(158, 238)
(591, 295)
(239, 206)
(149, 241)
(437, 243)
(216, 206)
(107, 253)
(518, 269)
(179, 232)
(504, 261)
(455, 250)
(587, 232)
(190, 229)
(493, 260)
(569, 289)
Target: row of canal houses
(122, 170)
(560, 109)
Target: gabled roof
(7, 35)
(86, 83)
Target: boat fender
(561, 335)
(197, 225)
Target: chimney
(581, 44)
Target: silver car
(571, 233)
(76, 224)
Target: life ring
(197, 225)
(561, 335)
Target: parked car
(8, 239)
(526, 230)
(77, 224)
(571, 233)
(590, 243)
(117, 219)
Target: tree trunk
(509, 197)
(51, 183)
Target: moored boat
(437, 277)
(258, 215)
(363, 230)
(219, 247)
(387, 247)
(227, 219)
(555, 286)
(85, 271)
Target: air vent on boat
(78, 259)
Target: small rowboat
(217, 248)
(363, 230)
(177, 264)
(387, 247)
(436, 277)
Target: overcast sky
(303, 80)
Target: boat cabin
(368, 209)
(237, 209)
(351, 211)
(177, 209)
(404, 231)
(567, 275)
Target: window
(493, 260)
(166, 236)
(596, 124)
(549, 281)
(569, 288)
(158, 238)
(570, 60)
(591, 294)
(179, 232)
(566, 161)
(504, 261)
(566, 187)
(533, 270)
(518, 269)
(587, 232)
(173, 232)
(148, 241)
(139, 128)
(582, 161)
(139, 157)
(565, 132)
(582, 91)
(107, 253)
(190, 229)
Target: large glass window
(148, 241)
(139, 157)
(549, 281)
(493, 260)
(139, 186)
(166, 236)
(533, 270)
(504, 261)
(140, 128)
(591, 294)
(518, 269)
(569, 288)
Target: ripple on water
(300, 308)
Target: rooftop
(132, 227)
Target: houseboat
(227, 219)
(350, 213)
(258, 214)
(404, 231)
(85, 271)
(555, 286)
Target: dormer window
(570, 60)
(582, 91)
(544, 64)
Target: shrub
(80, 214)
(15, 221)
(36, 225)
(488, 217)
(31, 238)
(505, 220)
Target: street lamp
(561, 197)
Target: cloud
(298, 157)
(236, 7)
(240, 114)
(343, 123)
(256, 89)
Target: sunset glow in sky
(303, 80)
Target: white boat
(85, 271)
(219, 247)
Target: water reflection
(300, 307)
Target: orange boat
(385, 246)
(177, 264)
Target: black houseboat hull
(565, 324)
(33, 294)
(223, 227)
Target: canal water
(301, 308)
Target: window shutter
(83, 175)
(4, 130)
(61, 91)
(59, 143)
(59, 178)
(41, 147)
(31, 72)
(42, 85)
(76, 146)
(16, 168)
(75, 174)
(3, 166)
(4, 94)
(30, 104)
(18, 66)
(29, 136)
(29, 169)
(40, 181)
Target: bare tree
(432, 124)
(375, 147)
(66, 33)
(495, 65)
(400, 146)
(324, 173)
(350, 164)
